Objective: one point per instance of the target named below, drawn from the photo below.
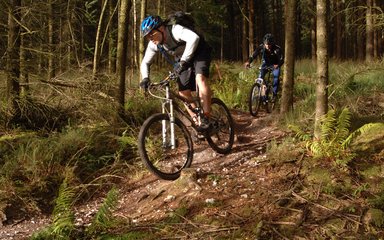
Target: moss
(371, 141)
(373, 172)
(374, 217)
(334, 226)
(320, 175)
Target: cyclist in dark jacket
(271, 56)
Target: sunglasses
(152, 34)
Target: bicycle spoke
(163, 158)
(254, 99)
(221, 134)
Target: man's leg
(205, 93)
(188, 95)
(275, 85)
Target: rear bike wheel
(221, 135)
(254, 100)
(155, 148)
(267, 100)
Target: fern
(300, 133)
(104, 218)
(343, 124)
(328, 125)
(63, 217)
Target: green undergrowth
(80, 146)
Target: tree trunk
(288, 83)
(360, 41)
(51, 56)
(244, 43)
(97, 55)
(111, 39)
(13, 51)
(135, 51)
(143, 11)
(24, 57)
(313, 32)
(369, 33)
(122, 42)
(322, 65)
(339, 29)
(375, 29)
(251, 26)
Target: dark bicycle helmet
(268, 39)
(150, 23)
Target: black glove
(144, 83)
(182, 66)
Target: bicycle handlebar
(268, 68)
(171, 77)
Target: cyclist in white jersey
(192, 57)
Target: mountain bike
(259, 95)
(165, 144)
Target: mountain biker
(271, 56)
(192, 57)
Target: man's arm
(255, 53)
(253, 56)
(190, 38)
(280, 56)
(149, 55)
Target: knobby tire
(221, 135)
(159, 157)
(254, 101)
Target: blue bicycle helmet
(150, 23)
(268, 39)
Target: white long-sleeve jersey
(179, 35)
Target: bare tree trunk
(122, 43)
(96, 57)
(251, 26)
(60, 42)
(375, 29)
(24, 57)
(143, 11)
(72, 46)
(51, 71)
(135, 52)
(360, 41)
(111, 40)
(339, 29)
(288, 83)
(13, 51)
(322, 65)
(244, 34)
(313, 32)
(369, 33)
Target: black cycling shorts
(200, 65)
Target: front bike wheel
(155, 148)
(221, 134)
(255, 100)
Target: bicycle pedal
(197, 138)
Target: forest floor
(231, 183)
(241, 195)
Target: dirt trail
(235, 181)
